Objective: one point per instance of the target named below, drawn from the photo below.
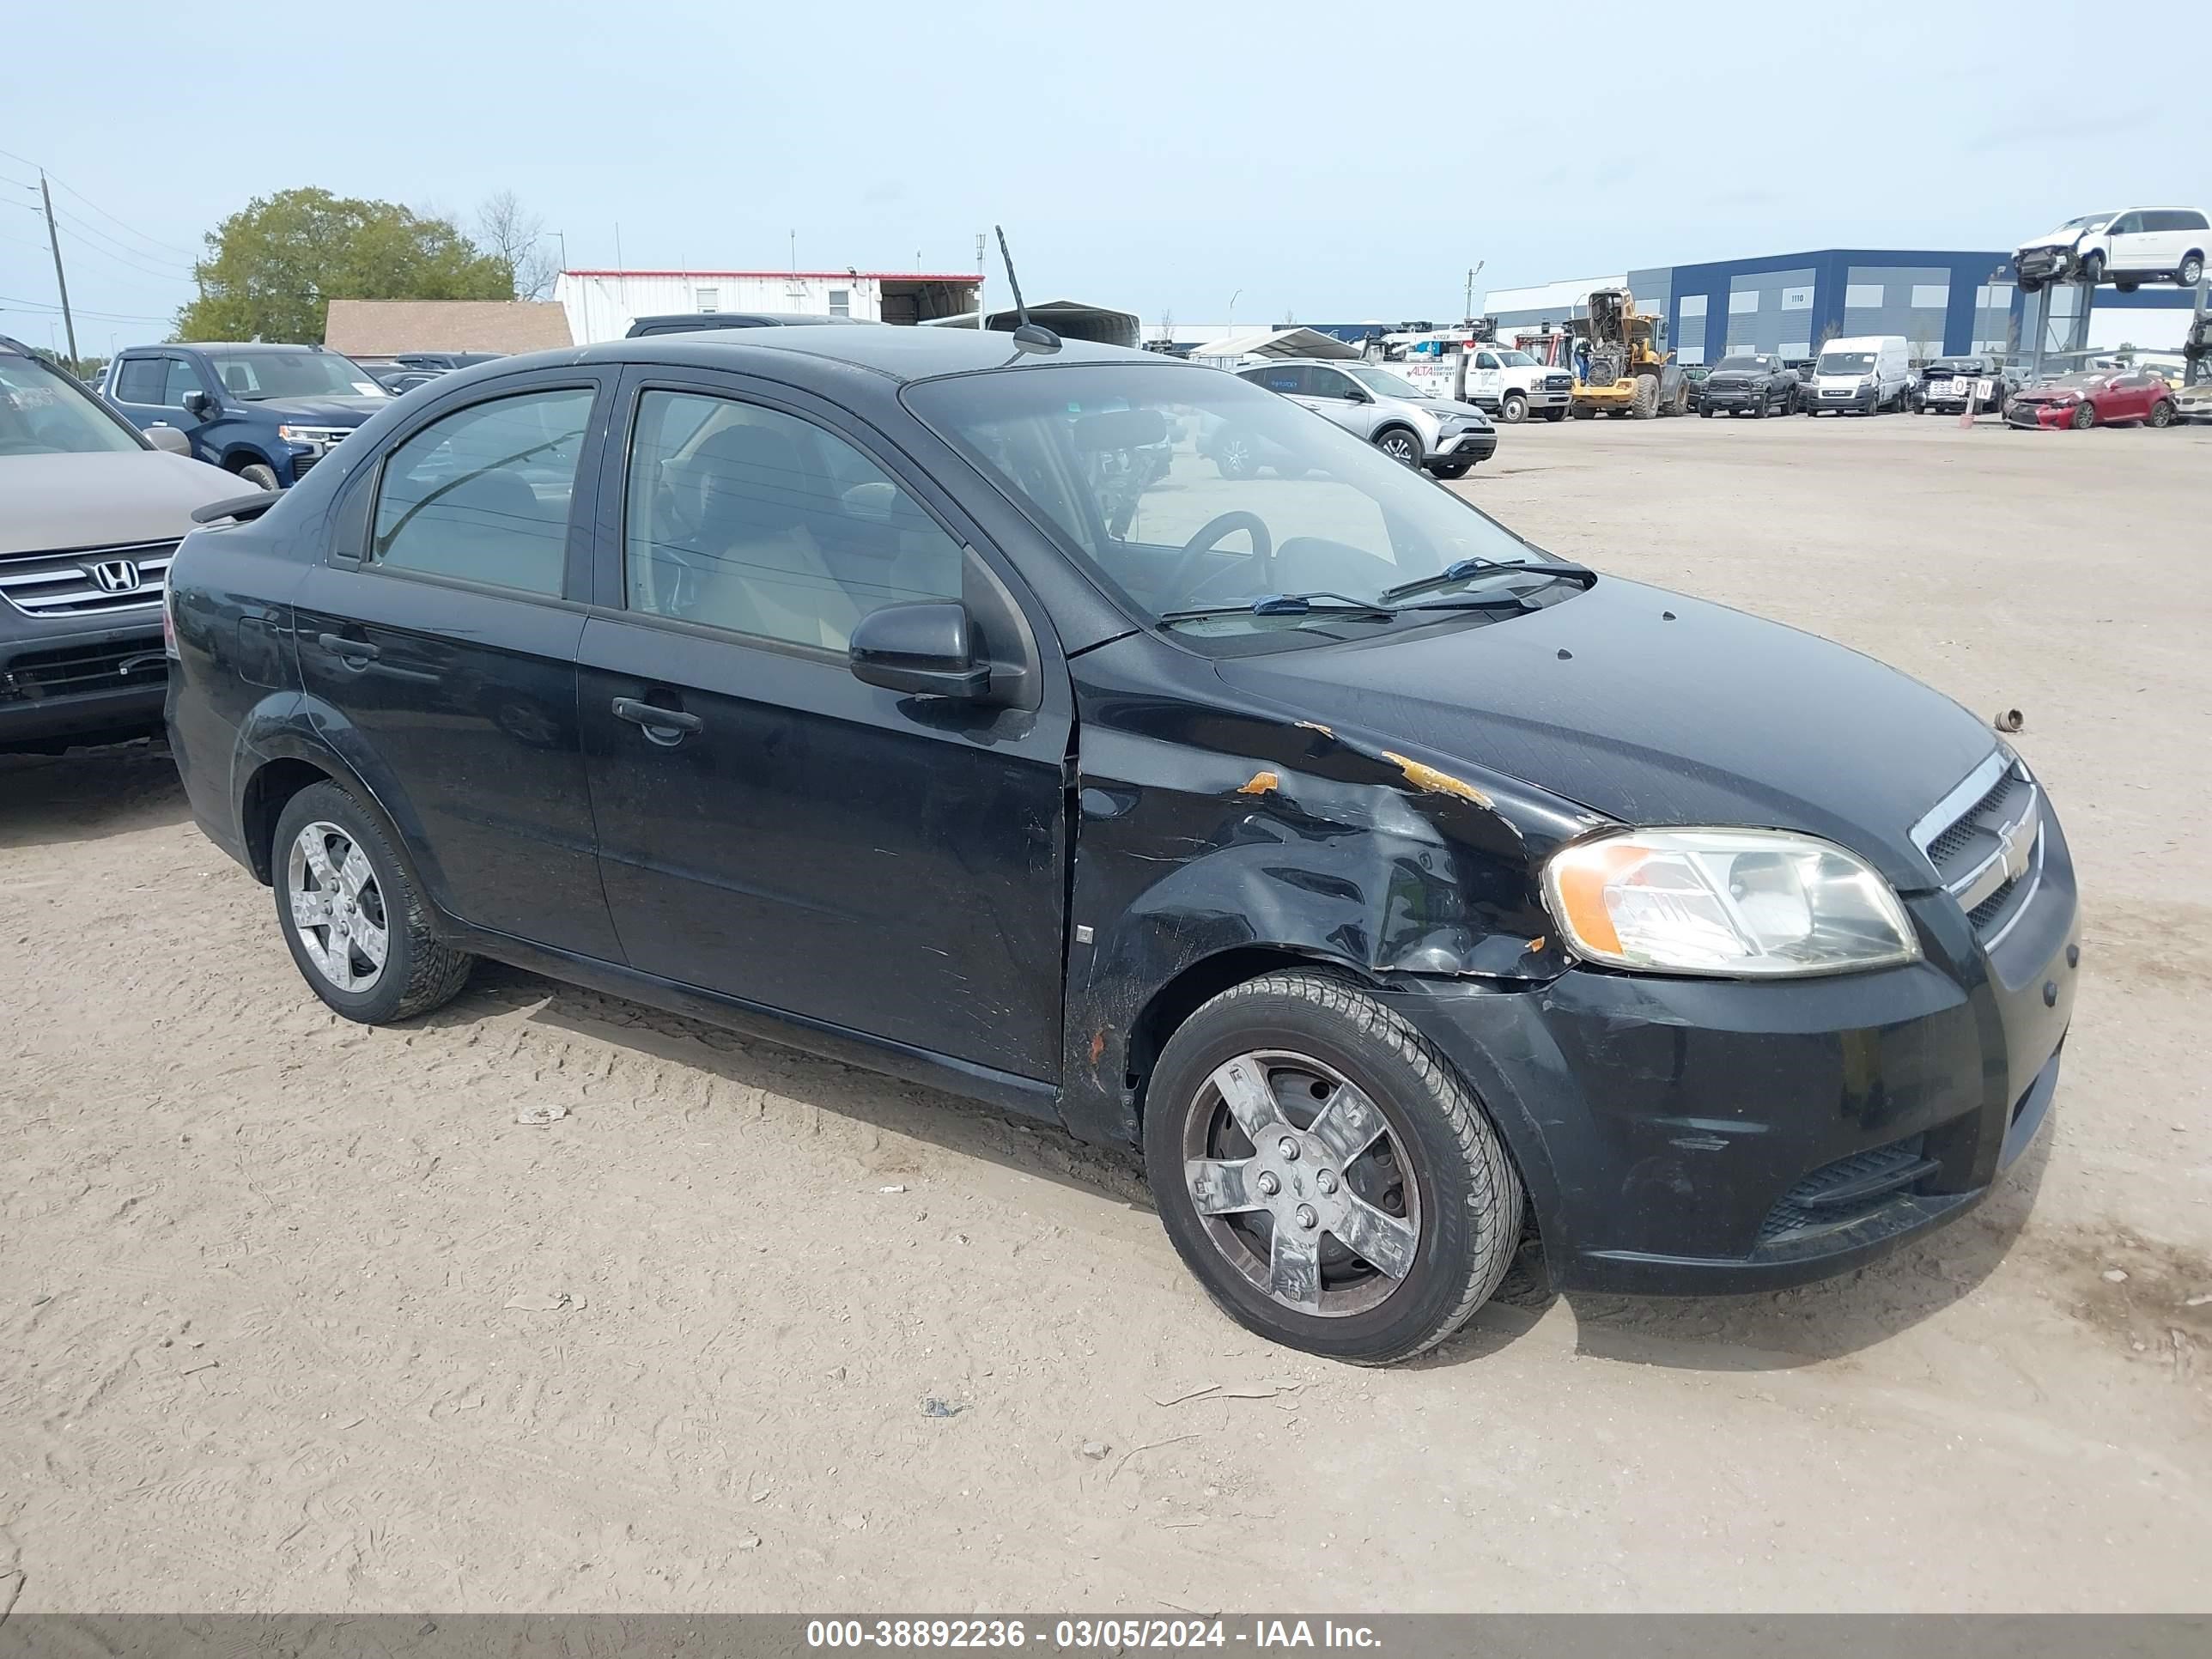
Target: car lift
(2197, 349)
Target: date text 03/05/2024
(1118, 1635)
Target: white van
(2126, 249)
(1869, 373)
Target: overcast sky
(1153, 156)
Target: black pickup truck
(1757, 382)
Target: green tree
(273, 267)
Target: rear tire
(1585, 412)
(1560, 414)
(2190, 272)
(359, 929)
(1403, 1152)
(1233, 458)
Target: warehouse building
(603, 304)
(1942, 303)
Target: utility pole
(54, 242)
(1467, 314)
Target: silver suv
(1397, 418)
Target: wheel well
(1382, 432)
(239, 457)
(1191, 990)
(266, 793)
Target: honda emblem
(115, 575)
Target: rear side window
(2189, 221)
(747, 518)
(140, 380)
(483, 495)
(1290, 380)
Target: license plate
(1949, 389)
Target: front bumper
(1739, 397)
(1472, 444)
(60, 685)
(2044, 265)
(1863, 400)
(1682, 1136)
(2030, 417)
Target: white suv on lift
(2126, 249)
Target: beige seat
(758, 567)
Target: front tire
(357, 926)
(1325, 1173)
(1235, 458)
(1646, 404)
(1401, 446)
(259, 474)
(1451, 469)
(2084, 417)
(1513, 409)
(2092, 269)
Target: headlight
(1751, 903)
(296, 434)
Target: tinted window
(1289, 379)
(180, 382)
(1328, 383)
(483, 495)
(139, 380)
(2126, 225)
(748, 518)
(2189, 221)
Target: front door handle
(662, 725)
(337, 646)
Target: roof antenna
(1029, 337)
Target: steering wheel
(1196, 548)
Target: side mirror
(198, 405)
(168, 439)
(922, 647)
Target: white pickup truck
(1508, 384)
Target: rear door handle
(656, 721)
(339, 647)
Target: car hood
(59, 502)
(2059, 238)
(1653, 709)
(322, 411)
(1442, 407)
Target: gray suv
(1397, 417)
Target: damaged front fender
(1203, 829)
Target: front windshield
(1846, 362)
(43, 413)
(2088, 221)
(1956, 366)
(254, 376)
(1184, 489)
(1517, 360)
(1742, 362)
(1384, 384)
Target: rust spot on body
(1097, 1045)
(1430, 781)
(1262, 783)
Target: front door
(1486, 380)
(770, 827)
(442, 657)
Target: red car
(2095, 397)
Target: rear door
(438, 645)
(871, 861)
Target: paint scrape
(1430, 781)
(1262, 783)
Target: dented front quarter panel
(1207, 822)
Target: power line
(175, 274)
(156, 241)
(10, 299)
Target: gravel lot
(296, 1315)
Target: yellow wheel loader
(1622, 366)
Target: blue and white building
(1942, 302)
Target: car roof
(898, 353)
(231, 345)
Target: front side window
(483, 495)
(1328, 383)
(1183, 489)
(44, 413)
(180, 382)
(747, 518)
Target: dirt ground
(296, 1315)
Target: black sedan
(1410, 897)
(1749, 383)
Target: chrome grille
(1988, 851)
(91, 581)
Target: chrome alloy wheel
(337, 908)
(1302, 1184)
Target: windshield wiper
(1467, 570)
(1284, 605)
